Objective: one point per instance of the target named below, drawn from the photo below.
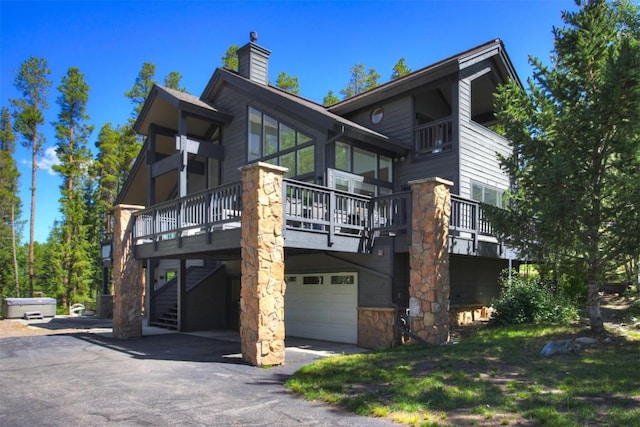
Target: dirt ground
(49, 326)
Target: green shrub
(531, 300)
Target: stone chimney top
(253, 61)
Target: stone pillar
(376, 327)
(429, 259)
(262, 249)
(128, 280)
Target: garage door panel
(321, 309)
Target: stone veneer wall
(128, 280)
(376, 327)
(429, 286)
(262, 248)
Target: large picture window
(276, 143)
(363, 162)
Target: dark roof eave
(157, 91)
(383, 143)
(417, 78)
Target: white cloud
(48, 160)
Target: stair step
(164, 325)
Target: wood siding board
(443, 165)
(474, 280)
(478, 160)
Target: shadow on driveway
(173, 346)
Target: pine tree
(172, 81)
(230, 58)
(33, 84)
(72, 133)
(400, 69)
(288, 83)
(576, 139)
(360, 81)
(10, 206)
(330, 99)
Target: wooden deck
(315, 218)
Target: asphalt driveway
(88, 378)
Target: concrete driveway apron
(90, 379)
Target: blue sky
(316, 41)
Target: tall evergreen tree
(400, 69)
(360, 81)
(141, 88)
(108, 170)
(173, 81)
(288, 83)
(330, 99)
(10, 206)
(72, 133)
(576, 136)
(230, 58)
(32, 81)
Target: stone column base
(104, 307)
(376, 327)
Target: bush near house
(531, 300)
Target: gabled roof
(161, 98)
(429, 73)
(300, 107)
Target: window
(276, 143)
(312, 280)
(343, 279)
(363, 162)
(343, 156)
(486, 194)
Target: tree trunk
(32, 220)
(14, 249)
(593, 303)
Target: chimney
(253, 61)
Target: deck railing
(390, 214)
(433, 137)
(307, 207)
(216, 208)
(468, 219)
(318, 209)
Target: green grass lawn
(491, 376)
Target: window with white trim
(487, 194)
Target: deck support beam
(262, 250)
(429, 286)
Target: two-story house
(345, 202)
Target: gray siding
(374, 281)
(474, 280)
(234, 137)
(397, 122)
(207, 304)
(478, 148)
(443, 165)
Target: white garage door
(322, 306)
